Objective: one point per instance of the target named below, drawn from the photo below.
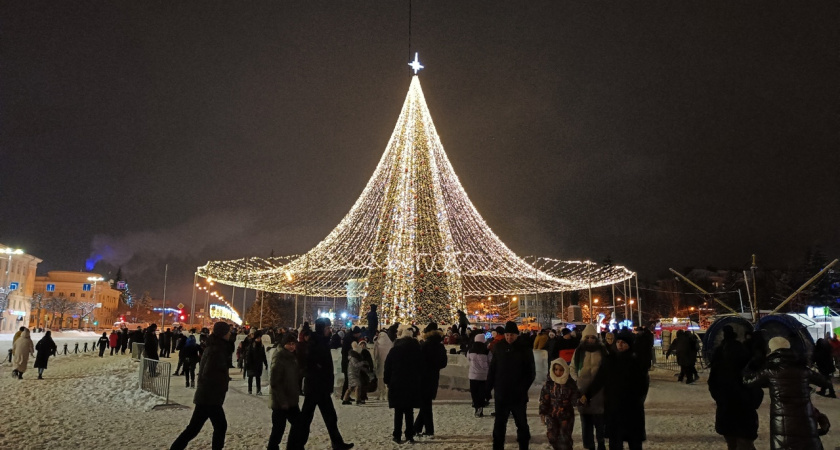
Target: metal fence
(155, 376)
(137, 349)
(671, 362)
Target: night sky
(661, 134)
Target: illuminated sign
(50, 288)
(223, 312)
(17, 313)
(13, 286)
(86, 287)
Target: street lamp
(5, 301)
(513, 300)
(95, 280)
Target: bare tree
(84, 309)
(59, 306)
(37, 302)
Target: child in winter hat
(558, 398)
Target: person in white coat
(381, 347)
(22, 349)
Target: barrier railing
(155, 377)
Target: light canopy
(413, 243)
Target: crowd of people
(602, 377)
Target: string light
(413, 243)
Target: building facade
(18, 272)
(72, 300)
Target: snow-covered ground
(87, 402)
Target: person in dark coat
(254, 361)
(188, 357)
(793, 418)
(625, 382)
(317, 390)
(685, 348)
(213, 379)
(643, 347)
(45, 347)
(135, 337)
(462, 323)
(123, 340)
(150, 348)
(825, 365)
(433, 360)
(179, 340)
(403, 376)
(512, 371)
(736, 418)
(285, 390)
(373, 322)
(165, 343)
(103, 343)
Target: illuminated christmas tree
(413, 243)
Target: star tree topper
(415, 64)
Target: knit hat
(510, 327)
(625, 335)
(430, 327)
(220, 328)
(356, 330)
(566, 372)
(565, 331)
(551, 335)
(354, 346)
(777, 343)
(480, 338)
(500, 330)
(589, 331)
(289, 337)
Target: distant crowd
(603, 376)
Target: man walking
(150, 348)
(318, 387)
(210, 394)
(511, 373)
(285, 389)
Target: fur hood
(404, 331)
(434, 335)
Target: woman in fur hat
(479, 359)
(586, 364)
(356, 366)
(558, 398)
(381, 347)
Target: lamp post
(4, 304)
(511, 301)
(95, 280)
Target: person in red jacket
(113, 341)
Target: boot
(481, 412)
(476, 412)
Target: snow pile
(88, 402)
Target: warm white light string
(413, 242)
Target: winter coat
(643, 348)
(685, 347)
(165, 340)
(433, 360)
(793, 418)
(22, 348)
(512, 371)
(114, 340)
(373, 323)
(822, 357)
(190, 354)
(565, 349)
(213, 376)
(584, 367)
(46, 347)
(559, 400)
(150, 344)
(403, 374)
(320, 378)
(346, 346)
(284, 381)
(381, 347)
(356, 366)
(736, 414)
(103, 342)
(255, 359)
(479, 359)
(625, 384)
(491, 346)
